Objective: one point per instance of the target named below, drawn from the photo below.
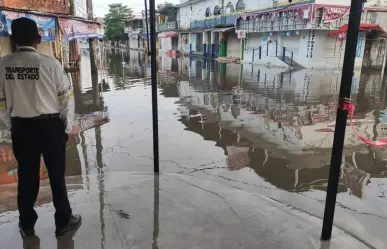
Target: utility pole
(93, 65)
(73, 64)
(147, 29)
(341, 116)
(275, 4)
(152, 40)
(223, 14)
(72, 42)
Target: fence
(280, 52)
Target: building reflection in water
(280, 124)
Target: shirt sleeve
(5, 111)
(65, 98)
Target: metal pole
(72, 47)
(267, 49)
(146, 24)
(93, 66)
(253, 55)
(152, 20)
(341, 117)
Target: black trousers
(32, 138)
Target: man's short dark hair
(24, 31)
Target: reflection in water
(32, 242)
(101, 185)
(156, 210)
(270, 124)
(280, 124)
(63, 242)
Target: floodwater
(264, 130)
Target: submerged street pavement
(244, 152)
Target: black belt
(43, 116)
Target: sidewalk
(135, 210)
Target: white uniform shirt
(32, 84)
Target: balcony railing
(318, 24)
(168, 26)
(130, 29)
(213, 22)
(135, 32)
(291, 23)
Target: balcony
(290, 23)
(168, 26)
(213, 22)
(268, 24)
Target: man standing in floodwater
(37, 103)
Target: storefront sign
(334, 13)
(45, 24)
(77, 29)
(241, 34)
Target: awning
(363, 27)
(168, 34)
(220, 29)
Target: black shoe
(26, 232)
(74, 223)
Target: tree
(115, 21)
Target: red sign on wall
(334, 13)
(77, 29)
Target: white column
(204, 69)
(190, 42)
(212, 46)
(205, 44)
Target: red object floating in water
(351, 109)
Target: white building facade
(134, 28)
(279, 33)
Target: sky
(101, 7)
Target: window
(208, 12)
(229, 8)
(240, 5)
(217, 10)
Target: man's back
(31, 83)
(36, 93)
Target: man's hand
(69, 136)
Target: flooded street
(257, 135)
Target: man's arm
(5, 111)
(65, 98)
